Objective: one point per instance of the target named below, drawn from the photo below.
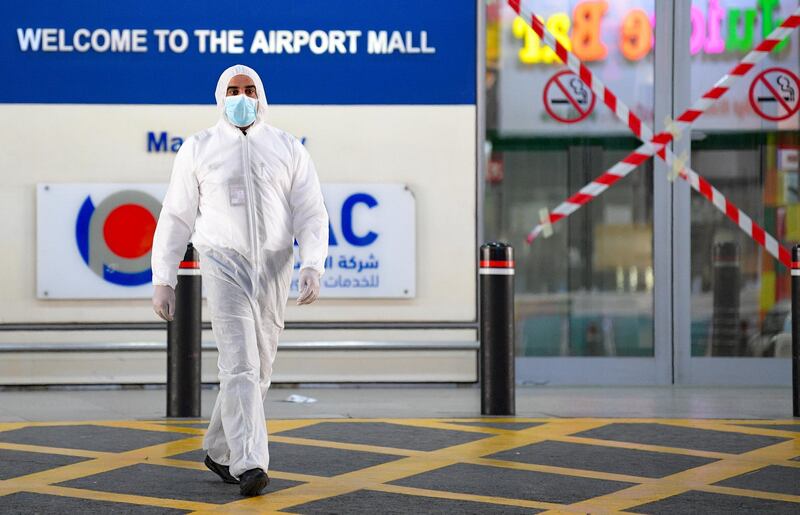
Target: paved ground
(443, 466)
(376, 450)
(416, 402)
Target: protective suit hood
(222, 87)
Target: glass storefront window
(588, 289)
(740, 293)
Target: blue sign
(306, 51)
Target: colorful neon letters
(583, 33)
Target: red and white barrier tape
(596, 187)
(656, 144)
(702, 186)
(745, 223)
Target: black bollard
(497, 329)
(796, 331)
(725, 327)
(183, 341)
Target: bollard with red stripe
(796, 331)
(183, 340)
(497, 329)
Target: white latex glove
(308, 283)
(164, 302)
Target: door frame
(658, 369)
(688, 369)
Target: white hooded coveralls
(247, 198)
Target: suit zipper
(251, 207)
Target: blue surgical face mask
(241, 110)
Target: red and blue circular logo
(115, 237)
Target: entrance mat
(385, 435)
(20, 463)
(717, 504)
(682, 437)
(602, 459)
(779, 427)
(777, 479)
(167, 483)
(310, 459)
(41, 504)
(513, 484)
(366, 502)
(89, 437)
(513, 426)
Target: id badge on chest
(236, 192)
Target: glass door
(747, 147)
(585, 294)
(650, 283)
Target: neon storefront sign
(716, 30)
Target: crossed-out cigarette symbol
(775, 87)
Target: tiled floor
(438, 466)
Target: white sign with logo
(371, 251)
(94, 241)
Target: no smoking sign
(775, 94)
(567, 98)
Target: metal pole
(796, 331)
(497, 329)
(725, 319)
(183, 341)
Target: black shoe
(253, 482)
(220, 470)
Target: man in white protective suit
(247, 191)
